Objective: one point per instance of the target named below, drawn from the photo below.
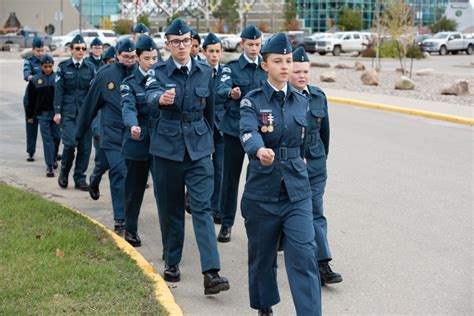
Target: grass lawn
(54, 261)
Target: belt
(182, 116)
(285, 153)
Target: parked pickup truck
(342, 42)
(24, 38)
(445, 42)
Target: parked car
(108, 38)
(24, 38)
(232, 43)
(342, 42)
(159, 39)
(445, 42)
(297, 39)
(421, 37)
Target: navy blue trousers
(101, 165)
(31, 130)
(233, 159)
(135, 185)
(218, 162)
(117, 175)
(264, 223)
(51, 136)
(171, 178)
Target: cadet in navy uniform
(31, 67)
(73, 78)
(317, 149)
(95, 55)
(181, 145)
(109, 56)
(238, 77)
(104, 95)
(41, 106)
(212, 47)
(138, 119)
(196, 45)
(139, 30)
(277, 194)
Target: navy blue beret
(299, 55)
(96, 42)
(37, 42)
(125, 45)
(109, 53)
(78, 39)
(277, 44)
(145, 42)
(140, 28)
(251, 32)
(211, 39)
(178, 27)
(46, 59)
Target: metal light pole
(80, 16)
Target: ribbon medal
(271, 119)
(265, 116)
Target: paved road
(399, 204)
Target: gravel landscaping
(426, 87)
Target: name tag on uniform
(170, 85)
(140, 94)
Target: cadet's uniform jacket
(186, 125)
(104, 95)
(268, 122)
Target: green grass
(53, 261)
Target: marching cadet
(31, 67)
(95, 55)
(181, 145)
(40, 105)
(109, 56)
(139, 30)
(104, 95)
(317, 149)
(277, 194)
(196, 45)
(73, 78)
(238, 77)
(212, 48)
(101, 165)
(138, 118)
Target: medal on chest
(267, 121)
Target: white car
(342, 42)
(232, 43)
(159, 39)
(107, 37)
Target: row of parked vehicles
(322, 43)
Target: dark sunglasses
(80, 48)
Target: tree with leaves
(443, 25)
(349, 19)
(144, 18)
(228, 12)
(290, 14)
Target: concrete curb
(162, 291)
(378, 106)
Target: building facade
(321, 15)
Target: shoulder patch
(150, 81)
(226, 70)
(124, 87)
(246, 137)
(225, 77)
(58, 77)
(245, 103)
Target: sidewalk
(408, 103)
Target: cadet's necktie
(184, 69)
(281, 94)
(78, 65)
(253, 66)
(214, 72)
(305, 92)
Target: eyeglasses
(80, 48)
(128, 57)
(177, 42)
